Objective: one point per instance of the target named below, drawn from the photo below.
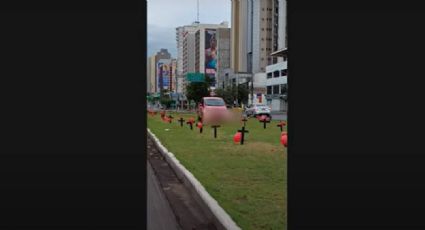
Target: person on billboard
(211, 54)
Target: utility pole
(252, 89)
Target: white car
(257, 110)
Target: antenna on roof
(197, 11)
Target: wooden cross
(191, 124)
(181, 120)
(265, 121)
(215, 130)
(243, 131)
(281, 124)
(201, 128)
(244, 121)
(170, 118)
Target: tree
(197, 90)
(166, 102)
(228, 94)
(243, 93)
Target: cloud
(161, 37)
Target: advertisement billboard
(211, 54)
(163, 74)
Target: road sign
(195, 77)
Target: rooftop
(280, 53)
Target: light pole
(252, 89)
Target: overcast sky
(165, 15)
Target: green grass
(248, 181)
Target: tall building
(181, 33)
(202, 48)
(256, 30)
(223, 55)
(151, 73)
(188, 53)
(162, 54)
(281, 37)
(185, 54)
(153, 63)
(277, 71)
(241, 27)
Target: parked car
(257, 110)
(213, 110)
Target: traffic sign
(195, 77)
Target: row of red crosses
(283, 136)
(190, 122)
(152, 113)
(165, 118)
(236, 138)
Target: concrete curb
(210, 206)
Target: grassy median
(248, 181)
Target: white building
(191, 49)
(276, 85)
(277, 82)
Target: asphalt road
(160, 215)
(170, 204)
(279, 116)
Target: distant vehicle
(257, 110)
(213, 110)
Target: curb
(209, 205)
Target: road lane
(160, 215)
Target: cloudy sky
(165, 15)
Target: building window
(269, 90)
(276, 73)
(269, 75)
(276, 89)
(284, 72)
(283, 89)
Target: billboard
(163, 74)
(211, 54)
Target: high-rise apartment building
(151, 67)
(223, 55)
(256, 32)
(162, 54)
(203, 48)
(181, 34)
(241, 35)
